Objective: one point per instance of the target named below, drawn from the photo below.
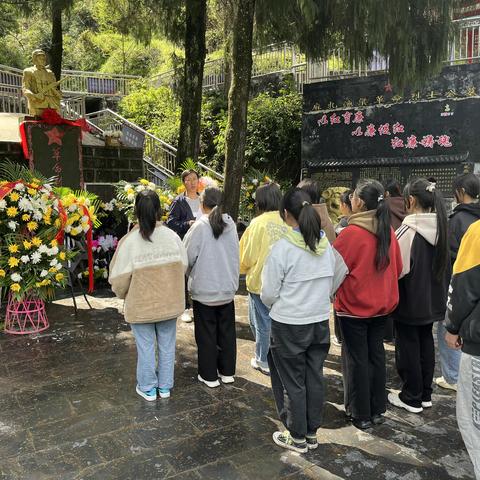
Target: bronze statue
(40, 86)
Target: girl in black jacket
(423, 287)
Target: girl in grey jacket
(296, 285)
(214, 268)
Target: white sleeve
(272, 277)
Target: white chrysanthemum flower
(152, 186)
(47, 187)
(43, 273)
(3, 204)
(12, 225)
(53, 251)
(130, 197)
(36, 257)
(25, 258)
(140, 188)
(68, 228)
(72, 207)
(96, 267)
(127, 187)
(20, 187)
(16, 277)
(25, 205)
(43, 248)
(105, 274)
(54, 262)
(38, 216)
(85, 227)
(84, 219)
(80, 275)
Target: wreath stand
(72, 265)
(25, 316)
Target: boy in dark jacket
(463, 331)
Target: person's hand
(453, 341)
(191, 222)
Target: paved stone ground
(69, 411)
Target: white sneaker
(395, 400)
(213, 384)
(427, 404)
(186, 316)
(226, 378)
(256, 366)
(441, 382)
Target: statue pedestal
(54, 150)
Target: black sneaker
(312, 442)
(378, 419)
(285, 440)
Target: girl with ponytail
(213, 260)
(368, 266)
(148, 271)
(423, 239)
(296, 286)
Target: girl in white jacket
(296, 284)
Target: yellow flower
(15, 287)
(54, 243)
(46, 282)
(12, 211)
(130, 191)
(143, 181)
(52, 270)
(59, 277)
(31, 191)
(62, 256)
(35, 183)
(2, 273)
(58, 222)
(27, 245)
(32, 226)
(13, 262)
(36, 241)
(25, 217)
(47, 220)
(13, 248)
(14, 196)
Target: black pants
(336, 324)
(415, 360)
(363, 364)
(216, 339)
(389, 330)
(296, 357)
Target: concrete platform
(69, 411)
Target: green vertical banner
(54, 150)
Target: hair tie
(430, 187)
(380, 198)
(305, 203)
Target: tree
(412, 34)
(195, 51)
(241, 70)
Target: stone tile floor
(68, 410)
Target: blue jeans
(152, 338)
(260, 323)
(449, 358)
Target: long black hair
(345, 198)
(393, 187)
(312, 187)
(373, 195)
(431, 200)
(148, 211)
(297, 203)
(212, 198)
(469, 183)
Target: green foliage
(155, 110)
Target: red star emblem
(55, 136)
(388, 87)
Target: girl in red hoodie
(369, 264)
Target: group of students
(296, 266)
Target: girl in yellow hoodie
(261, 234)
